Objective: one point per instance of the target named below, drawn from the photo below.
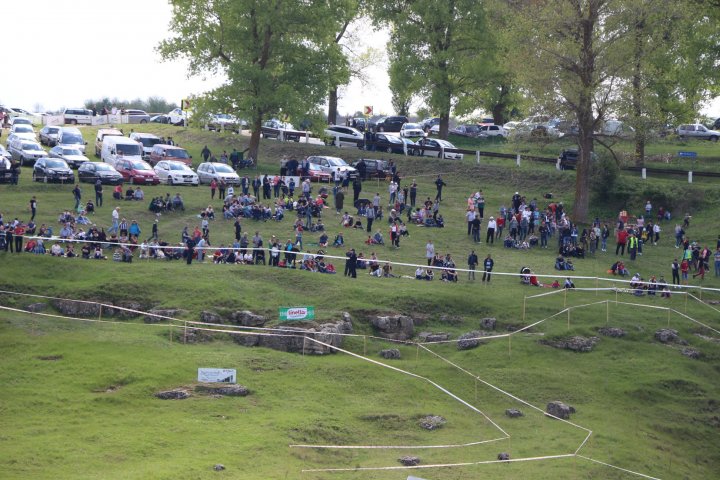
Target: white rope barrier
(618, 468)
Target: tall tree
(574, 65)
(441, 48)
(274, 54)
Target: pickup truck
(272, 129)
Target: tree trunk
(444, 124)
(255, 137)
(498, 110)
(332, 106)
(637, 95)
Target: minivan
(101, 134)
(71, 137)
(74, 116)
(120, 148)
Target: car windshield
(128, 149)
(393, 139)
(72, 139)
(412, 126)
(31, 146)
(103, 167)
(178, 166)
(56, 164)
(445, 144)
(149, 141)
(223, 168)
(472, 128)
(140, 166)
(177, 153)
(337, 162)
(22, 129)
(53, 130)
(71, 151)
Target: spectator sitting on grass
(323, 241)
(339, 240)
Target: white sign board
(53, 120)
(217, 375)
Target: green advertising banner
(297, 313)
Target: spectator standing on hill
(98, 193)
(213, 188)
(33, 208)
(469, 217)
(205, 153)
(221, 189)
(413, 193)
(488, 265)
(472, 264)
(357, 188)
(480, 204)
(717, 262)
(439, 184)
(476, 224)
(621, 238)
(370, 217)
(77, 195)
(491, 226)
(429, 252)
(339, 200)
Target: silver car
(26, 151)
(696, 130)
(215, 170)
(72, 155)
(136, 116)
(173, 172)
(49, 135)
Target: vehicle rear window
(177, 153)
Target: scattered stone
(503, 456)
(292, 339)
(488, 323)
(247, 318)
(691, 353)
(433, 337)
(164, 312)
(173, 395)
(36, 307)
(395, 327)
(218, 467)
(432, 422)
(667, 335)
(50, 358)
(344, 325)
(713, 302)
(612, 332)
(223, 390)
(193, 335)
(409, 460)
(390, 354)
(210, 317)
(708, 338)
(513, 413)
(559, 410)
(453, 320)
(72, 308)
(469, 340)
(133, 309)
(575, 343)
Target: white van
(74, 116)
(71, 137)
(147, 140)
(120, 148)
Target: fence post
(185, 333)
(442, 152)
(307, 137)
(644, 173)
(477, 156)
(517, 160)
(568, 319)
(690, 176)
(524, 302)
(565, 298)
(509, 345)
(337, 141)
(668, 310)
(607, 312)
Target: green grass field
(91, 413)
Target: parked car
(178, 117)
(428, 123)
(333, 164)
(390, 124)
(510, 126)
(23, 131)
(136, 171)
(72, 156)
(224, 121)
(101, 134)
(272, 129)
(411, 130)
(169, 152)
(119, 148)
(52, 170)
(147, 140)
(374, 168)
(568, 158)
(215, 170)
(136, 116)
(437, 143)
(173, 172)
(6, 170)
(49, 135)
(716, 125)
(4, 153)
(92, 171)
(317, 174)
(160, 119)
(75, 116)
(385, 142)
(360, 123)
(26, 151)
(20, 121)
(71, 136)
(699, 131)
(469, 130)
(492, 131)
(346, 135)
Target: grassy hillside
(91, 412)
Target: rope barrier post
(171, 335)
(565, 298)
(607, 312)
(568, 319)
(509, 345)
(304, 338)
(417, 355)
(686, 297)
(364, 345)
(597, 286)
(100, 311)
(524, 302)
(668, 310)
(476, 390)
(616, 296)
(700, 296)
(185, 333)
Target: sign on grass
(297, 313)
(217, 375)
(687, 154)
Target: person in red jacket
(19, 232)
(622, 236)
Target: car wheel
(143, 121)
(389, 150)
(34, 177)
(380, 129)
(713, 139)
(45, 179)
(73, 122)
(170, 181)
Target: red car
(317, 174)
(137, 172)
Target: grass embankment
(651, 409)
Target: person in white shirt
(429, 252)
(492, 224)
